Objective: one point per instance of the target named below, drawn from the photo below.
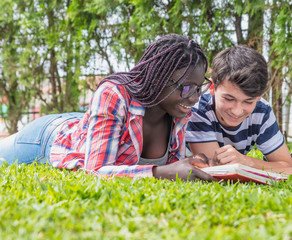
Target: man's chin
(231, 123)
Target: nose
(237, 110)
(194, 98)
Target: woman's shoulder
(109, 98)
(112, 87)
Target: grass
(40, 202)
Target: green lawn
(40, 202)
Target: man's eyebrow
(248, 99)
(227, 95)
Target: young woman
(136, 122)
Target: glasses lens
(185, 90)
(189, 90)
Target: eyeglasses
(190, 89)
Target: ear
(212, 88)
(259, 98)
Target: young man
(229, 120)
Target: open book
(242, 173)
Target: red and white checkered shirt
(109, 139)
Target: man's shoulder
(262, 107)
(205, 103)
(204, 109)
(262, 114)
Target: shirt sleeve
(108, 113)
(270, 137)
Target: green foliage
(40, 202)
(282, 38)
(289, 145)
(255, 153)
(14, 82)
(54, 43)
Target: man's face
(232, 105)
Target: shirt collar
(136, 108)
(183, 120)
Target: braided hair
(146, 81)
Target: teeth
(185, 106)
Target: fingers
(201, 156)
(212, 162)
(224, 149)
(225, 155)
(186, 169)
(199, 174)
(200, 160)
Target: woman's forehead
(192, 75)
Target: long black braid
(146, 81)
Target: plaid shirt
(109, 139)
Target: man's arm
(280, 160)
(208, 148)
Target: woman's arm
(108, 115)
(186, 169)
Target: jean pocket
(33, 132)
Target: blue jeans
(34, 141)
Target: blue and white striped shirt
(259, 128)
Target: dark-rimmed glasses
(191, 89)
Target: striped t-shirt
(259, 128)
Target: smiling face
(174, 104)
(232, 106)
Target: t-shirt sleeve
(270, 137)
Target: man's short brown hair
(242, 66)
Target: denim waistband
(52, 130)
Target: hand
(228, 155)
(183, 168)
(200, 160)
